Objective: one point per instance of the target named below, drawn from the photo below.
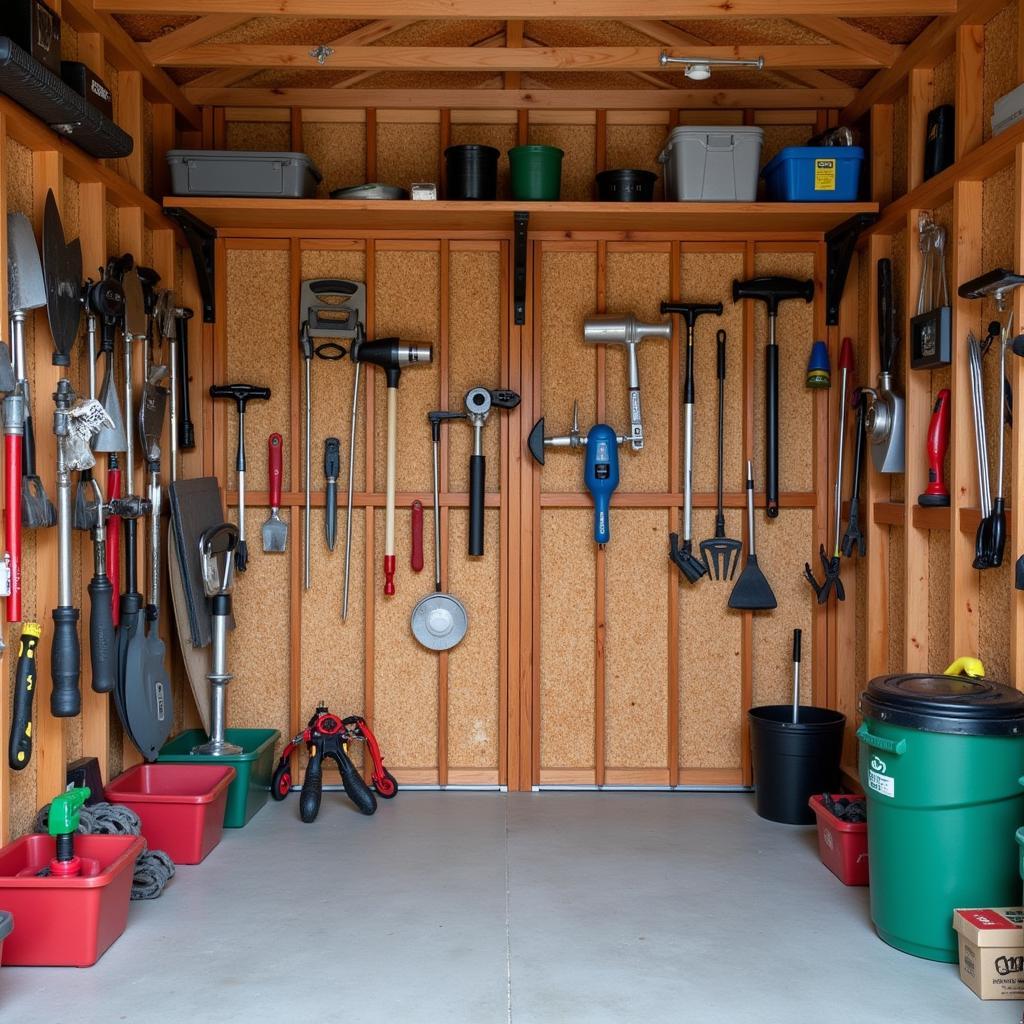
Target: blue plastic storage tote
(809, 174)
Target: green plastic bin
(940, 761)
(254, 767)
(536, 172)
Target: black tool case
(88, 85)
(44, 94)
(35, 27)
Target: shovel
(275, 529)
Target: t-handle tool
(853, 539)
(772, 291)
(682, 555)
(332, 467)
(612, 329)
(937, 493)
(479, 402)
(241, 394)
(19, 748)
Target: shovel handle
(12, 520)
(771, 412)
(65, 664)
(275, 462)
(101, 633)
(19, 750)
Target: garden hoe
(682, 555)
(721, 554)
(439, 621)
(751, 592)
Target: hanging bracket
(200, 237)
(522, 221)
(840, 244)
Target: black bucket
(626, 186)
(794, 760)
(472, 172)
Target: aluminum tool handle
(720, 512)
(389, 511)
(129, 417)
(307, 472)
(14, 427)
(771, 415)
(241, 549)
(436, 447)
(91, 329)
(154, 539)
(173, 401)
(797, 634)
(65, 654)
(19, 749)
(751, 548)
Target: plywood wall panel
(708, 277)
(999, 73)
(259, 336)
(637, 282)
(501, 136)
(568, 367)
(636, 146)
(938, 610)
(577, 142)
(407, 306)
(567, 583)
(258, 136)
(776, 138)
(636, 640)
(900, 146)
(473, 666)
(405, 674)
(475, 311)
(407, 153)
(339, 152)
(897, 589)
(900, 285)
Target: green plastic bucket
(254, 767)
(536, 172)
(940, 762)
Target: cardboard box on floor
(992, 951)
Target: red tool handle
(113, 531)
(846, 359)
(416, 558)
(12, 520)
(274, 455)
(938, 441)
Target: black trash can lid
(946, 704)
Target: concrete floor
(483, 908)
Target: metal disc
(439, 622)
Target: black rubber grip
(101, 634)
(28, 446)
(312, 791)
(65, 664)
(771, 416)
(477, 481)
(797, 635)
(19, 749)
(688, 383)
(186, 429)
(241, 556)
(358, 791)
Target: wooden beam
(125, 54)
(513, 99)
(529, 9)
(195, 32)
(514, 39)
(835, 30)
(969, 95)
(504, 58)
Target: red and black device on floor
(328, 736)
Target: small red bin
(843, 846)
(181, 806)
(66, 922)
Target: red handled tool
(114, 538)
(14, 429)
(416, 556)
(275, 529)
(937, 493)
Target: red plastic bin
(66, 922)
(843, 846)
(181, 806)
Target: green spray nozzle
(63, 817)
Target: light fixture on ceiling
(699, 68)
(321, 52)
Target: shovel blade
(752, 592)
(112, 438)
(25, 287)
(275, 534)
(62, 276)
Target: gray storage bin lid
(242, 156)
(702, 131)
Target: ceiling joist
(504, 58)
(195, 32)
(504, 10)
(835, 30)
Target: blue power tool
(600, 469)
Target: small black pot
(472, 172)
(626, 186)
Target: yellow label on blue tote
(825, 175)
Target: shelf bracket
(522, 221)
(840, 244)
(200, 237)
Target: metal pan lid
(946, 704)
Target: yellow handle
(971, 667)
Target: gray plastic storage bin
(715, 164)
(215, 172)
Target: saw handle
(275, 464)
(65, 664)
(19, 749)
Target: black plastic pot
(626, 186)
(472, 172)
(793, 761)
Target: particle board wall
(339, 152)
(501, 136)
(407, 153)
(577, 141)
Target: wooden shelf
(742, 220)
(931, 517)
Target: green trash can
(941, 759)
(536, 172)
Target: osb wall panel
(339, 152)
(407, 293)
(568, 367)
(331, 386)
(259, 335)
(1000, 61)
(776, 138)
(710, 661)
(944, 81)
(637, 282)
(636, 146)
(270, 136)
(405, 674)
(899, 148)
(636, 642)
(577, 142)
(938, 611)
(707, 277)
(783, 546)
(407, 153)
(501, 136)
(474, 358)
(897, 589)
(473, 666)
(902, 301)
(794, 333)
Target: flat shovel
(275, 529)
